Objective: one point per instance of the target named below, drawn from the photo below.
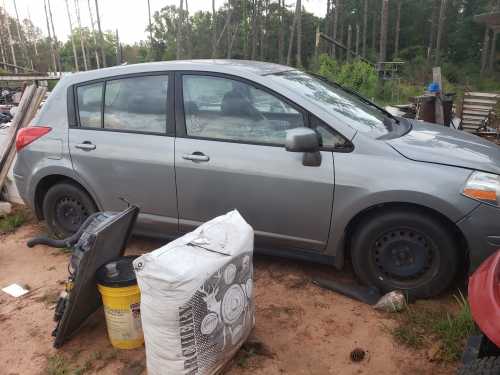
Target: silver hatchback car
(321, 173)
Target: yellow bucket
(122, 300)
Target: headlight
(484, 187)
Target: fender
(484, 297)
(345, 214)
(64, 169)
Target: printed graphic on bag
(218, 316)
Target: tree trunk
(299, 33)
(93, 36)
(349, 43)
(493, 53)
(150, 29)
(178, 41)
(20, 39)
(214, 30)
(340, 29)
(398, 28)
(384, 23)
(50, 38)
(254, 29)
(281, 40)
(432, 36)
(75, 56)
(486, 49)
(338, 3)
(56, 41)
(226, 27)
(365, 26)
(4, 60)
(357, 40)
(101, 38)
(374, 32)
(442, 17)
(292, 38)
(82, 35)
(189, 33)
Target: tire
(65, 208)
(483, 366)
(408, 250)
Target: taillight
(25, 136)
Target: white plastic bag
(196, 297)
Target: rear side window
(137, 104)
(130, 104)
(90, 104)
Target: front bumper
(481, 229)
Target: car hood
(432, 143)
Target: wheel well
(43, 187)
(450, 225)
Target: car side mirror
(307, 141)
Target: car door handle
(86, 146)
(196, 156)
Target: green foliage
(12, 221)
(421, 326)
(357, 75)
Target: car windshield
(353, 110)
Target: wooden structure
(477, 110)
(28, 107)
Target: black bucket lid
(117, 273)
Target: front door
(123, 147)
(230, 154)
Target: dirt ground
(303, 329)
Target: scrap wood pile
(28, 107)
(479, 113)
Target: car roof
(242, 68)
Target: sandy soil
(302, 328)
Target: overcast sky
(130, 17)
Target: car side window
(89, 104)
(330, 138)
(226, 109)
(136, 104)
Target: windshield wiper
(360, 97)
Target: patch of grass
(454, 330)
(57, 365)
(87, 366)
(421, 326)
(12, 221)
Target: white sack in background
(196, 297)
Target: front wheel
(65, 208)
(408, 250)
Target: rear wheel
(65, 208)
(404, 250)
(483, 366)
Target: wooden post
(438, 103)
(82, 35)
(101, 38)
(75, 56)
(93, 36)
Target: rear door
(230, 154)
(122, 146)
